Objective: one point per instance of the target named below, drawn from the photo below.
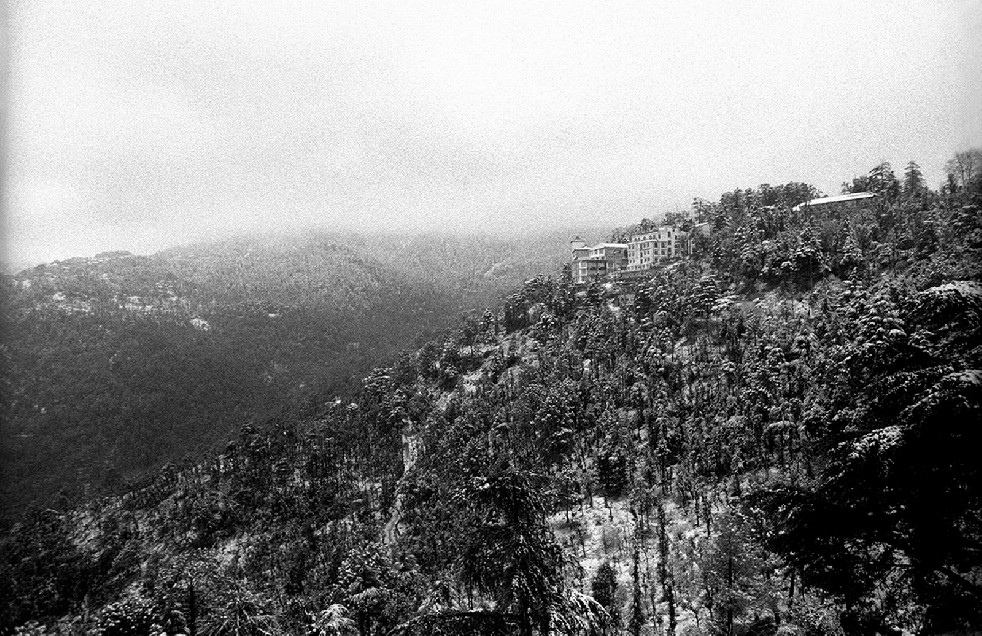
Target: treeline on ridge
(776, 435)
(118, 364)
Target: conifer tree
(913, 180)
(604, 588)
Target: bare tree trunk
(524, 625)
(192, 609)
(729, 600)
(791, 591)
(667, 582)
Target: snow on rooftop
(841, 198)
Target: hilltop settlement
(777, 435)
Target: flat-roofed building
(646, 249)
(586, 270)
(591, 263)
(642, 252)
(845, 200)
(614, 253)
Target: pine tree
(882, 181)
(636, 622)
(604, 590)
(913, 180)
(665, 576)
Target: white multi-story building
(644, 250)
(615, 254)
(590, 263)
(641, 252)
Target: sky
(142, 125)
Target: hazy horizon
(175, 123)
(592, 233)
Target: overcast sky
(140, 125)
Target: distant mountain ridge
(119, 362)
(774, 436)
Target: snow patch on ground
(607, 531)
(963, 287)
(968, 376)
(598, 533)
(442, 402)
(880, 439)
(470, 381)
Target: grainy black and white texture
(295, 339)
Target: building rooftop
(841, 198)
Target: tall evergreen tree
(913, 180)
(604, 588)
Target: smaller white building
(590, 263)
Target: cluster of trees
(782, 449)
(118, 364)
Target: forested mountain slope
(778, 435)
(118, 363)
